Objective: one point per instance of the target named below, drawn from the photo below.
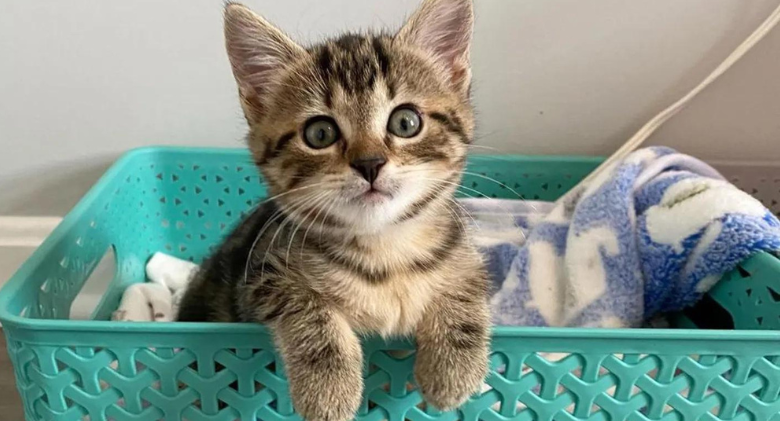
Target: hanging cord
(651, 126)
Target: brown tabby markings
(326, 259)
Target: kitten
(361, 140)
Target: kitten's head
(369, 130)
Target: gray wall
(81, 81)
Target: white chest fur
(394, 304)
(390, 308)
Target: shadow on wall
(51, 190)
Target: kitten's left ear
(443, 28)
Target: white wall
(81, 81)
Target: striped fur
(326, 260)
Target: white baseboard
(19, 236)
(21, 231)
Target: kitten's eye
(321, 132)
(404, 122)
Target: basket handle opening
(90, 300)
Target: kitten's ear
(258, 53)
(443, 28)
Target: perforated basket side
(228, 372)
(96, 370)
(523, 177)
(751, 293)
(47, 283)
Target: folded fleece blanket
(648, 236)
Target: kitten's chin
(375, 198)
(373, 214)
(374, 211)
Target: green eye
(321, 132)
(404, 122)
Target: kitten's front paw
(448, 385)
(328, 395)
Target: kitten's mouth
(373, 195)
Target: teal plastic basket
(183, 201)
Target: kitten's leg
(452, 347)
(324, 362)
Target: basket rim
(16, 322)
(30, 328)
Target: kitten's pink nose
(368, 167)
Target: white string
(651, 126)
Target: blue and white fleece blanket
(649, 236)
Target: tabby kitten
(361, 140)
